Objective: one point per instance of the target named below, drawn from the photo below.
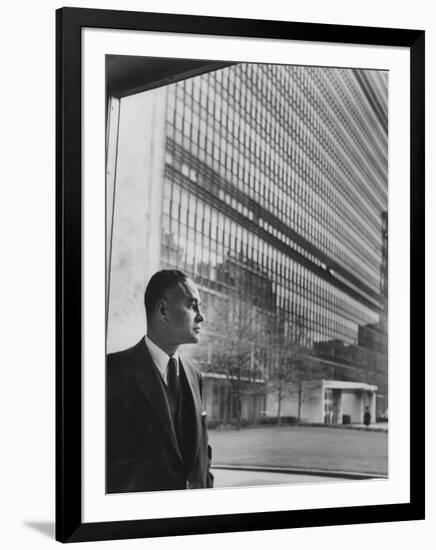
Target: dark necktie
(173, 380)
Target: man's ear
(162, 309)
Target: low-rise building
(326, 402)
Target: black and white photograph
(247, 244)
(218, 265)
(239, 275)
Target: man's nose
(199, 317)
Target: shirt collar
(160, 358)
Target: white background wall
(27, 305)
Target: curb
(356, 427)
(303, 471)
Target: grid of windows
(276, 180)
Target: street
(302, 447)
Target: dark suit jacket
(142, 450)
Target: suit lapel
(147, 376)
(194, 395)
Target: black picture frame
(69, 524)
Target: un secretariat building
(268, 186)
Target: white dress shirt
(160, 358)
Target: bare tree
(235, 347)
(239, 350)
(289, 364)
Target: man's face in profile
(184, 316)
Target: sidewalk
(376, 427)
(254, 478)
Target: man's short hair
(158, 285)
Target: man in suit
(156, 430)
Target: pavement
(241, 478)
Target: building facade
(267, 184)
